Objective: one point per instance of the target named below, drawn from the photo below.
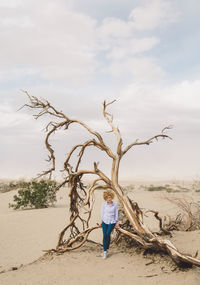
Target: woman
(109, 219)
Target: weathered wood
(81, 197)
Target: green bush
(156, 188)
(33, 194)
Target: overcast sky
(77, 53)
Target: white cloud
(24, 22)
(10, 3)
(142, 69)
(178, 104)
(153, 14)
(143, 44)
(143, 110)
(10, 118)
(113, 27)
(145, 69)
(132, 46)
(55, 40)
(184, 96)
(122, 47)
(17, 73)
(59, 43)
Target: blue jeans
(107, 229)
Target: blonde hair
(108, 193)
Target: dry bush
(196, 185)
(189, 217)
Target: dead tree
(81, 197)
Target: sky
(76, 54)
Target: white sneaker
(104, 254)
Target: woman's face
(109, 199)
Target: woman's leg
(105, 237)
(108, 233)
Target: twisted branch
(149, 141)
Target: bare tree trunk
(80, 196)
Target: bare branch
(64, 230)
(92, 188)
(149, 141)
(109, 119)
(160, 222)
(136, 238)
(167, 128)
(47, 108)
(82, 236)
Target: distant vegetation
(196, 185)
(167, 188)
(34, 194)
(11, 185)
(128, 188)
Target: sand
(25, 233)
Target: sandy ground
(24, 234)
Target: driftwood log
(82, 197)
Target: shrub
(188, 219)
(166, 188)
(34, 194)
(196, 185)
(156, 188)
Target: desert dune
(26, 233)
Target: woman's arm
(102, 214)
